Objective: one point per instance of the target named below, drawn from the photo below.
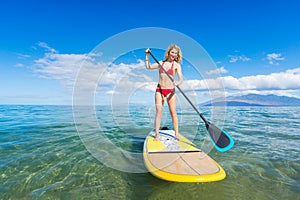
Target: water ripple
(41, 155)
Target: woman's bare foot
(177, 136)
(156, 137)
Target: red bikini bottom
(165, 92)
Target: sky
(44, 45)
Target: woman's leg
(172, 107)
(159, 102)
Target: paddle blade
(220, 138)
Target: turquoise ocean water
(42, 155)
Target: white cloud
(111, 92)
(62, 67)
(236, 58)
(287, 80)
(88, 71)
(65, 68)
(220, 70)
(117, 71)
(47, 47)
(23, 56)
(274, 57)
(19, 65)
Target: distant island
(256, 100)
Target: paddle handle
(202, 117)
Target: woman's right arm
(148, 65)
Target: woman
(165, 87)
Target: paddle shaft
(201, 116)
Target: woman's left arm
(179, 75)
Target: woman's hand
(147, 51)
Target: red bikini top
(170, 71)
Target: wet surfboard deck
(179, 160)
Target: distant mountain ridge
(256, 100)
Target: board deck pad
(179, 160)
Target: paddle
(221, 139)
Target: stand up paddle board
(179, 160)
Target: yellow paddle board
(179, 160)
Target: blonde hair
(179, 54)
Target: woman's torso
(164, 80)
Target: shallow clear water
(42, 156)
